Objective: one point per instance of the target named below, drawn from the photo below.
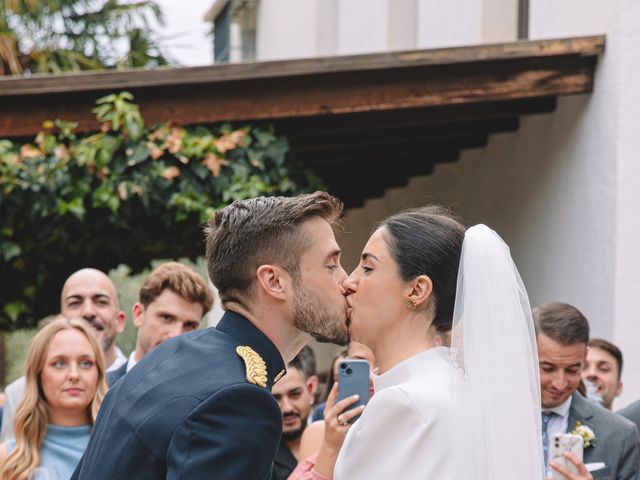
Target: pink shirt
(305, 471)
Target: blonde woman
(65, 385)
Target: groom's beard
(312, 316)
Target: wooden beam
(427, 148)
(425, 116)
(314, 141)
(402, 163)
(307, 88)
(378, 62)
(381, 181)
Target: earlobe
(122, 319)
(421, 291)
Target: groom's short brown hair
(259, 231)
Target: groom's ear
(420, 291)
(273, 281)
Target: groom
(199, 406)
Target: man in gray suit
(562, 334)
(632, 412)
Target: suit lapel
(582, 410)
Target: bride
(471, 411)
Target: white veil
(497, 413)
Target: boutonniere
(588, 436)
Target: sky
(186, 32)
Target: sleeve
(630, 456)
(305, 471)
(233, 435)
(393, 412)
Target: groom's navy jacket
(187, 411)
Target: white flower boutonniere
(588, 436)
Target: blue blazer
(117, 374)
(187, 411)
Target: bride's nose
(350, 284)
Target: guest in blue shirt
(65, 385)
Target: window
(234, 29)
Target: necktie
(546, 418)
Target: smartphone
(565, 442)
(353, 378)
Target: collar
(119, 361)
(132, 361)
(561, 410)
(247, 334)
(407, 369)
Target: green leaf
(139, 154)
(10, 250)
(14, 309)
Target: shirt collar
(132, 361)
(119, 360)
(561, 410)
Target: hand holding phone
(353, 379)
(565, 442)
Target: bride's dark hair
(428, 241)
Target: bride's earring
(410, 305)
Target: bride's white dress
(406, 430)
(471, 412)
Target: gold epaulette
(255, 366)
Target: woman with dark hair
(470, 410)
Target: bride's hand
(336, 426)
(583, 473)
(336, 419)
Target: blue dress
(61, 449)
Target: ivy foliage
(123, 195)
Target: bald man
(89, 294)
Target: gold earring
(410, 305)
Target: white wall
(610, 129)
(441, 24)
(297, 29)
(287, 29)
(362, 26)
(627, 326)
(499, 20)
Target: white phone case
(565, 442)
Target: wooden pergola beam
(426, 117)
(392, 134)
(312, 88)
